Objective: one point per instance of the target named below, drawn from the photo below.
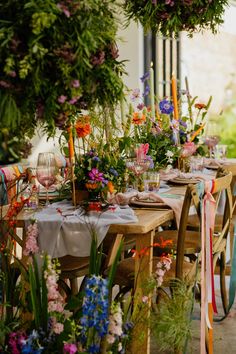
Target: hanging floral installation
(56, 58)
(169, 17)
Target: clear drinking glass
(46, 171)
(220, 151)
(151, 181)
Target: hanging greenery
(169, 17)
(56, 58)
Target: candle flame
(151, 65)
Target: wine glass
(211, 141)
(46, 171)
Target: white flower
(169, 153)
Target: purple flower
(146, 91)
(140, 106)
(99, 58)
(74, 100)
(166, 107)
(62, 99)
(75, 83)
(183, 123)
(95, 175)
(135, 94)
(145, 76)
(149, 158)
(96, 159)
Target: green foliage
(174, 16)
(50, 50)
(171, 321)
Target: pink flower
(145, 299)
(189, 148)
(95, 175)
(31, 245)
(69, 348)
(75, 83)
(58, 328)
(64, 9)
(142, 151)
(62, 99)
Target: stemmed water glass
(46, 171)
(211, 141)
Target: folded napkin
(174, 204)
(196, 176)
(166, 175)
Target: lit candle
(152, 94)
(71, 144)
(174, 97)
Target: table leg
(143, 270)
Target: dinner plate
(148, 203)
(180, 180)
(212, 167)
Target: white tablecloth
(67, 231)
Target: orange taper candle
(71, 144)
(174, 97)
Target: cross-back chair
(222, 228)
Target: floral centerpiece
(169, 138)
(57, 57)
(170, 16)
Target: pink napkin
(174, 204)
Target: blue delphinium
(145, 76)
(166, 107)
(95, 312)
(113, 172)
(146, 91)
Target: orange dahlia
(83, 127)
(138, 118)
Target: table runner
(64, 231)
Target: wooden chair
(223, 227)
(186, 244)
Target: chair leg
(223, 288)
(74, 286)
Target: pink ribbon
(207, 276)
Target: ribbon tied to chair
(208, 303)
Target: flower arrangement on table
(98, 167)
(170, 133)
(170, 16)
(96, 174)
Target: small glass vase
(184, 164)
